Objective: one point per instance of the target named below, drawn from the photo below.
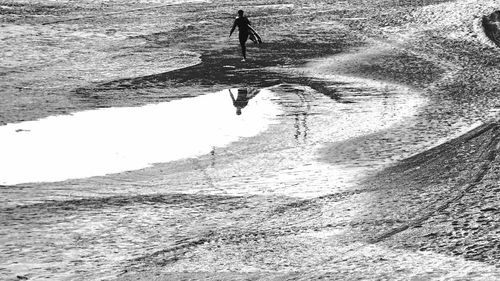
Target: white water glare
(105, 141)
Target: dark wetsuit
(244, 31)
(242, 98)
(244, 95)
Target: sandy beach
(369, 152)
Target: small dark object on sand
(491, 27)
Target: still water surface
(99, 142)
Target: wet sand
(240, 212)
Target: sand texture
(370, 152)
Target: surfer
(244, 95)
(245, 30)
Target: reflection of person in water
(244, 95)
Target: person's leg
(243, 40)
(244, 50)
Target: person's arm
(232, 29)
(252, 93)
(249, 25)
(232, 97)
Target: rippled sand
(380, 163)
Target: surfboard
(254, 36)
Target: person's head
(240, 13)
(238, 110)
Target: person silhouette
(241, 100)
(245, 30)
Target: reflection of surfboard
(254, 36)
